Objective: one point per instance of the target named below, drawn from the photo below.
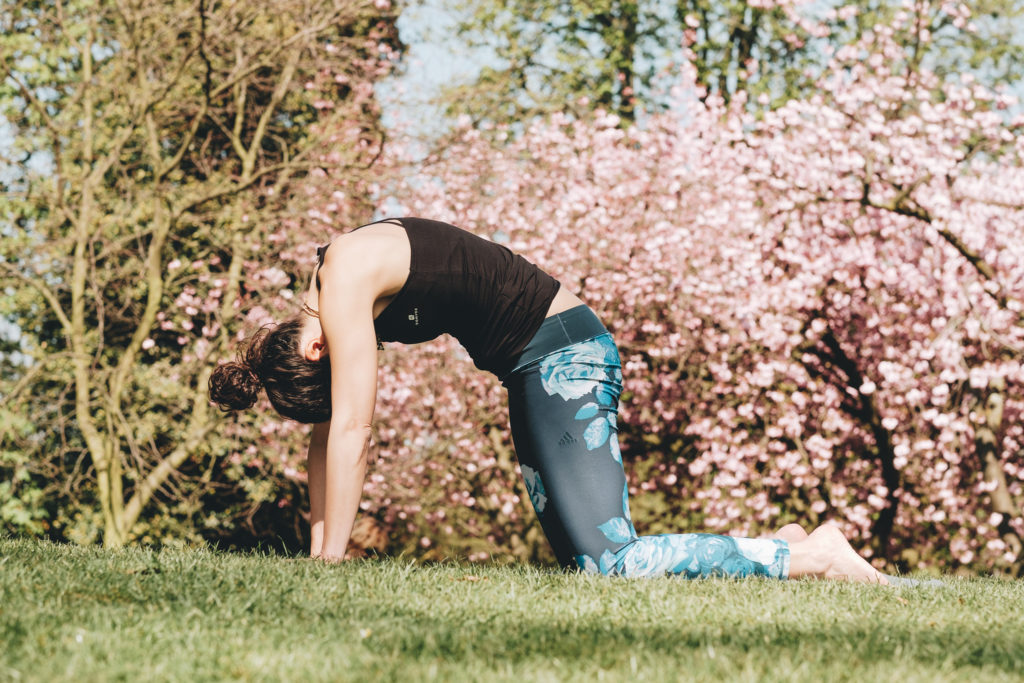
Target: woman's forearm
(316, 466)
(344, 474)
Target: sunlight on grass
(70, 613)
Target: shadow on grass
(609, 645)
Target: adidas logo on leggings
(567, 439)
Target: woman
(411, 279)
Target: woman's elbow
(351, 428)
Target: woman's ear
(315, 348)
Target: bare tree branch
(44, 291)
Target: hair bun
(234, 386)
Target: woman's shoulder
(380, 235)
(379, 251)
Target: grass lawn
(84, 614)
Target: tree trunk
(986, 441)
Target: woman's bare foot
(825, 553)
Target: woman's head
(298, 388)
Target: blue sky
(433, 59)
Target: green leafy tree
(555, 55)
(577, 55)
(155, 147)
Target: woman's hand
(330, 559)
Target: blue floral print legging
(563, 402)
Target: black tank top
(489, 298)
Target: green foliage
(85, 614)
(155, 147)
(22, 504)
(737, 46)
(567, 55)
(571, 56)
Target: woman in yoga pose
(410, 280)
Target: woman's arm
(347, 292)
(316, 465)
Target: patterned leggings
(563, 401)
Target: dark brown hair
(299, 389)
